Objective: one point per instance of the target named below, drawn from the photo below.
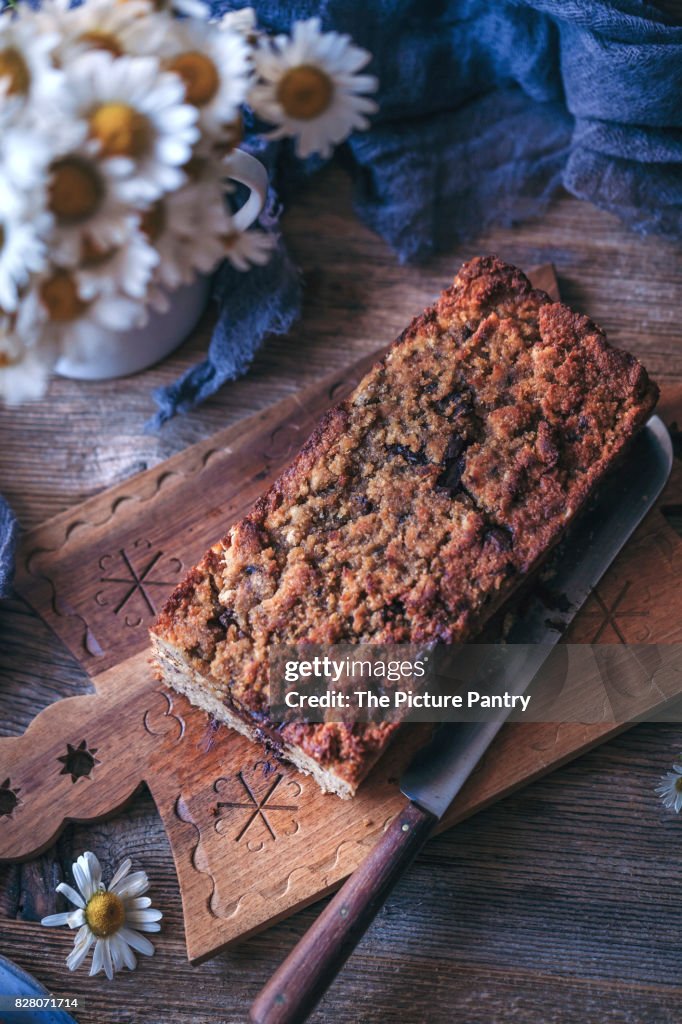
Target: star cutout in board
(78, 761)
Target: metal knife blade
(440, 769)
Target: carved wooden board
(252, 841)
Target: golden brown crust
(421, 502)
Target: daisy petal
(81, 946)
(97, 959)
(120, 873)
(71, 894)
(82, 878)
(95, 869)
(106, 960)
(134, 885)
(76, 919)
(76, 958)
(136, 917)
(116, 947)
(129, 958)
(137, 941)
(139, 903)
(53, 920)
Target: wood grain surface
(252, 841)
(560, 904)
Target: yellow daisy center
(305, 92)
(153, 221)
(75, 190)
(199, 76)
(102, 41)
(7, 360)
(60, 297)
(120, 130)
(14, 67)
(678, 784)
(105, 914)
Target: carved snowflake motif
(611, 614)
(259, 809)
(131, 576)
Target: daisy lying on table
(110, 916)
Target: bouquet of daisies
(118, 122)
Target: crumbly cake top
(421, 501)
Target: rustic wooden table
(559, 905)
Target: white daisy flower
(110, 917)
(116, 28)
(245, 249)
(670, 789)
(87, 201)
(136, 116)
(22, 249)
(26, 68)
(125, 268)
(24, 366)
(215, 70)
(309, 86)
(70, 318)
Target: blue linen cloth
(8, 543)
(485, 111)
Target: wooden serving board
(252, 841)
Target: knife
(439, 770)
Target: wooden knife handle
(301, 981)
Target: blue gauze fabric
(486, 109)
(8, 543)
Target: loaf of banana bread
(414, 510)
